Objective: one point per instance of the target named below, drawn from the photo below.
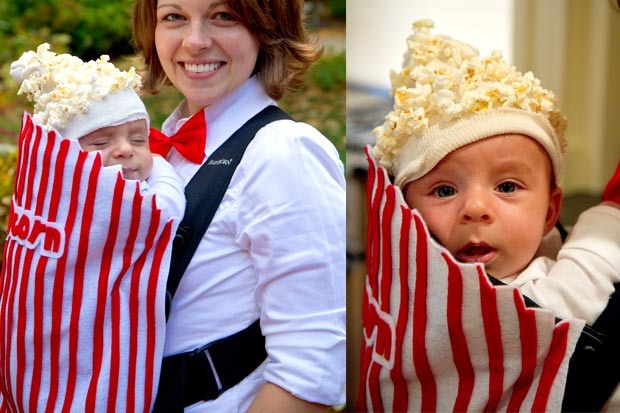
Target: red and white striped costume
(83, 283)
(438, 336)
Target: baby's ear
(553, 211)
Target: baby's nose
(476, 208)
(123, 148)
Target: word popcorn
(33, 231)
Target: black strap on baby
(205, 191)
(594, 367)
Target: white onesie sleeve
(167, 186)
(580, 282)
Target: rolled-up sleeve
(291, 217)
(580, 282)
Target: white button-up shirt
(275, 250)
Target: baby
(98, 104)
(477, 148)
(87, 256)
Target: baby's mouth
(476, 252)
(130, 173)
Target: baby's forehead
(134, 126)
(515, 151)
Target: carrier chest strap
(205, 191)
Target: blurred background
(90, 28)
(570, 45)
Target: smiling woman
(184, 32)
(275, 244)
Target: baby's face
(126, 145)
(490, 202)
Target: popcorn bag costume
(437, 335)
(86, 259)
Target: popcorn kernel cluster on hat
(444, 80)
(62, 85)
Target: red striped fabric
(438, 336)
(82, 286)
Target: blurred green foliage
(329, 72)
(337, 9)
(321, 100)
(88, 28)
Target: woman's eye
(172, 17)
(223, 18)
(444, 191)
(507, 187)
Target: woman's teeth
(209, 67)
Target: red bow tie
(189, 141)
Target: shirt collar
(226, 116)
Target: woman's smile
(202, 68)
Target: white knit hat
(446, 97)
(76, 97)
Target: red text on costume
(33, 232)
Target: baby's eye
(138, 140)
(507, 187)
(100, 143)
(444, 191)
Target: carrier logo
(225, 162)
(33, 231)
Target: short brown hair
(286, 49)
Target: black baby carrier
(207, 372)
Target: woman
(274, 250)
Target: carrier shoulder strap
(205, 191)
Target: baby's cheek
(440, 230)
(109, 161)
(149, 166)
(523, 248)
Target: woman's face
(204, 51)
